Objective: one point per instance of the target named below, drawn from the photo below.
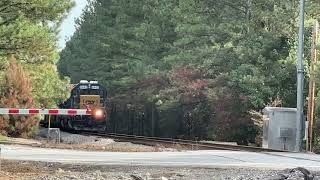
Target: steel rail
(184, 144)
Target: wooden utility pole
(312, 86)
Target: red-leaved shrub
(16, 92)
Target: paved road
(188, 159)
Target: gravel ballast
(92, 143)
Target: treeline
(189, 68)
(28, 56)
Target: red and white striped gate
(68, 112)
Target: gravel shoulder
(82, 142)
(26, 170)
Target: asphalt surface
(208, 159)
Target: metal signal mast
(300, 77)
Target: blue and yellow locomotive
(86, 95)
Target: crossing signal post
(49, 126)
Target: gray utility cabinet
(279, 128)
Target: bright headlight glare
(98, 113)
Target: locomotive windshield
(91, 90)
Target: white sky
(67, 28)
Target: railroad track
(183, 144)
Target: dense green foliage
(28, 30)
(188, 68)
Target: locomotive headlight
(98, 114)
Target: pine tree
(118, 43)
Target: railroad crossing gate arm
(68, 112)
